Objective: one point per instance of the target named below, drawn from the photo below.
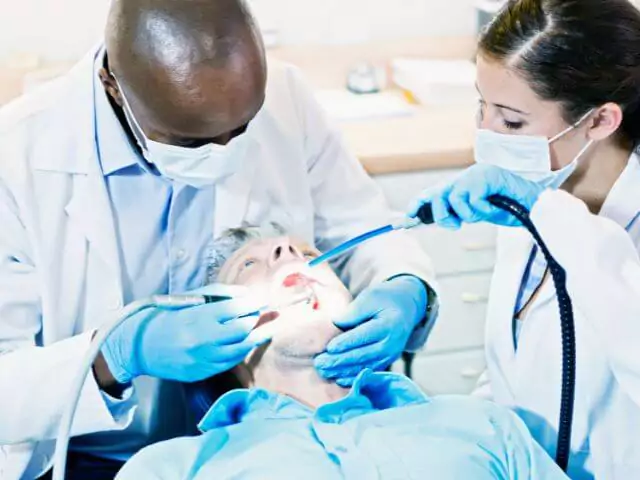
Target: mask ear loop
(572, 127)
(583, 150)
(131, 119)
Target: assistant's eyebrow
(499, 105)
(506, 107)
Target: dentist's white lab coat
(603, 278)
(59, 262)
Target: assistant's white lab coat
(59, 262)
(603, 278)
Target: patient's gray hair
(235, 238)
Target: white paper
(346, 106)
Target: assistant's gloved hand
(379, 323)
(186, 345)
(465, 199)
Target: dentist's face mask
(525, 155)
(198, 167)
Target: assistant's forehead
(502, 83)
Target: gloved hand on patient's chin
(465, 199)
(379, 324)
(186, 345)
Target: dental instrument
(262, 333)
(156, 301)
(354, 242)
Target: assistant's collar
(371, 391)
(622, 205)
(114, 146)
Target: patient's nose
(284, 251)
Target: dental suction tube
(558, 274)
(158, 301)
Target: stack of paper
(343, 105)
(437, 82)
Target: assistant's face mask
(198, 167)
(526, 155)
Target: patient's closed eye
(248, 263)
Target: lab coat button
(180, 254)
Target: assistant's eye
(512, 125)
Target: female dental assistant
(559, 85)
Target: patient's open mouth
(298, 280)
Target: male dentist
(114, 182)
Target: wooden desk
(434, 138)
(437, 138)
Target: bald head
(193, 71)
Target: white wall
(347, 21)
(54, 29)
(64, 29)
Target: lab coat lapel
(514, 248)
(232, 195)
(90, 209)
(622, 205)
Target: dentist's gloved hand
(465, 199)
(186, 345)
(378, 326)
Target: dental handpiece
(404, 224)
(114, 321)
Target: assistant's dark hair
(581, 53)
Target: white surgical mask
(526, 155)
(198, 167)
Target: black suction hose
(558, 274)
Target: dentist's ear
(605, 121)
(110, 85)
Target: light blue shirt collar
(370, 391)
(114, 147)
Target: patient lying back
(290, 423)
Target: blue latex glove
(185, 345)
(465, 199)
(379, 324)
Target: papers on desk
(345, 106)
(437, 82)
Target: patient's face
(276, 269)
